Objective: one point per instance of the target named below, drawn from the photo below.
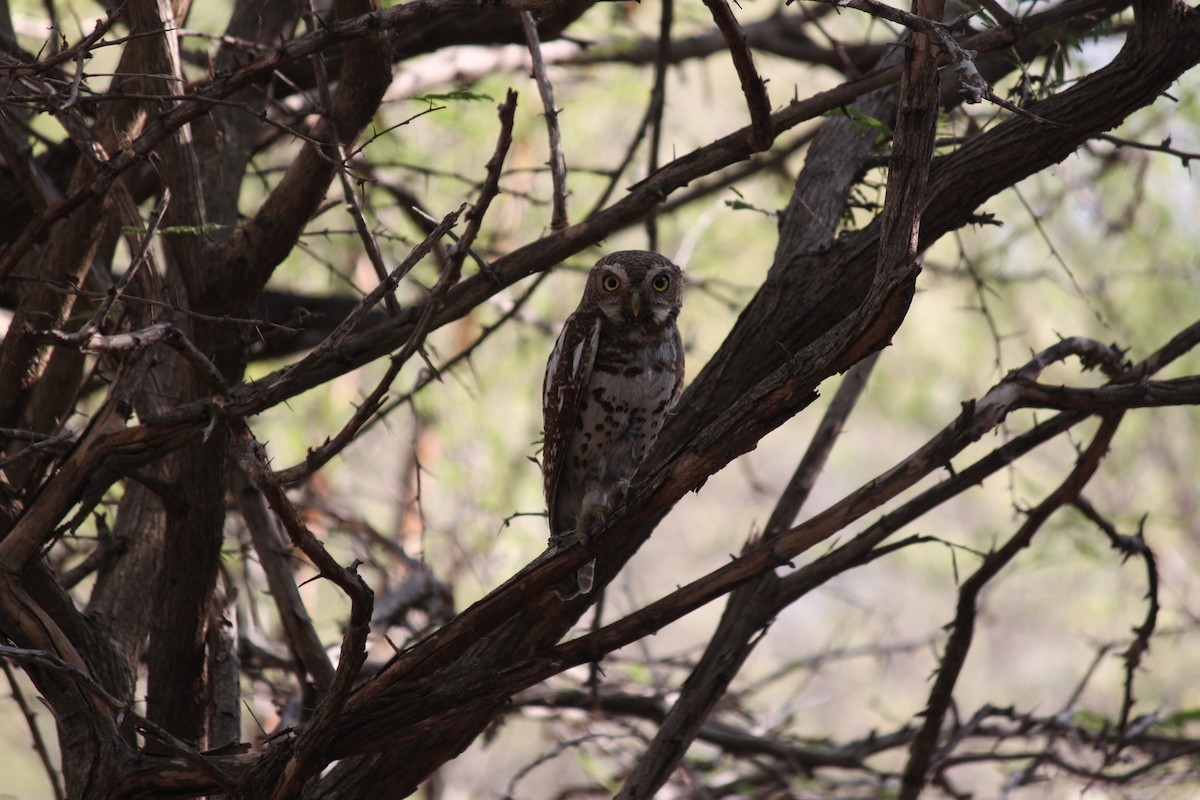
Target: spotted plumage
(616, 369)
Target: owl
(616, 369)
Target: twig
(558, 164)
(84, 46)
(1165, 147)
(312, 741)
(158, 333)
(1129, 546)
(274, 556)
(189, 754)
(282, 385)
(653, 121)
(761, 133)
(1020, 112)
(39, 744)
(450, 273)
(487, 193)
(108, 548)
(351, 199)
(62, 442)
(922, 752)
(465, 355)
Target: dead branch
(761, 132)
(558, 164)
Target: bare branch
(761, 131)
(307, 757)
(922, 751)
(558, 164)
(39, 744)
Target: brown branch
(83, 47)
(308, 755)
(922, 752)
(275, 557)
(130, 341)
(1132, 545)
(761, 131)
(348, 194)
(449, 276)
(197, 760)
(1184, 156)
(558, 164)
(832, 423)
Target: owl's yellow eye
(661, 283)
(611, 283)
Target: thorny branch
(558, 163)
(1129, 546)
(922, 758)
(761, 134)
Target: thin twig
(114, 293)
(1129, 545)
(450, 273)
(128, 341)
(1165, 147)
(347, 326)
(653, 123)
(312, 741)
(922, 753)
(433, 375)
(189, 754)
(275, 557)
(558, 164)
(353, 206)
(39, 744)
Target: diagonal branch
(308, 755)
(450, 276)
(761, 132)
(749, 609)
(353, 206)
(558, 164)
(922, 752)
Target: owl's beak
(635, 304)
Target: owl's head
(635, 285)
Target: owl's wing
(567, 375)
(678, 390)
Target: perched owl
(616, 368)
